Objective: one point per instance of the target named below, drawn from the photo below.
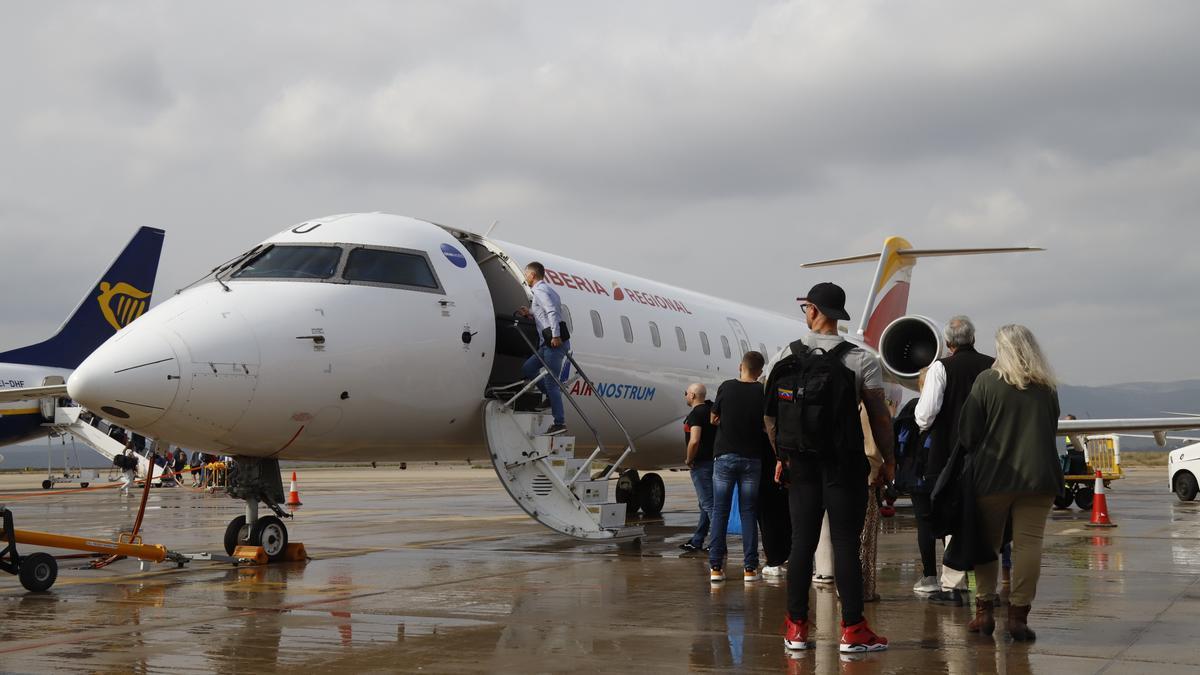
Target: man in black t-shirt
(740, 446)
(699, 435)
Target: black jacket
(956, 514)
(962, 367)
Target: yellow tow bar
(38, 571)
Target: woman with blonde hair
(1008, 424)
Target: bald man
(699, 434)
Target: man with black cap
(832, 480)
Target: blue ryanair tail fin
(119, 297)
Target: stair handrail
(604, 404)
(629, 447)
(562, 389)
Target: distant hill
(33, 454)
(1133, 399)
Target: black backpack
(817, 404)
(912, 451)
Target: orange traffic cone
(1100, 505)
(293, 495)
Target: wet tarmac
(435, 570)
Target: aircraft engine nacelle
(909, 344)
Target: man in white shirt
(547, 315)
(948, 382)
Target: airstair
(544, 475)
(66, 421)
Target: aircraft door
(49, 403)
(739, 332)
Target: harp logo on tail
(121, 303)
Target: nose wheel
(268, 532)
(271, 534)
(255, 480)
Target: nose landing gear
(254, 480)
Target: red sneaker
(795, 634)
(859, 637)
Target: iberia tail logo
(121, 303)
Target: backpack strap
(798, 348)
(842, 349)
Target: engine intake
(909, 344)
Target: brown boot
(985, 618)
(1018, 623)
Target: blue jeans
(548, 385)
(702, 480)
(728, 470)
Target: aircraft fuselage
(376, 340)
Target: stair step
(609, 515)
(537, 471)
(592, 491)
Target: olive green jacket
(1011, 434)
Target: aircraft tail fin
(121, 295)
(887, 299)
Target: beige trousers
(1028, 525)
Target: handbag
(563, 333)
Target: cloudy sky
(710, 145)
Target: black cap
(830, 299)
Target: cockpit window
(292, 262)
(390, 267)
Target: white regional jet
(378, 337)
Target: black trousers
(815, 489)
(926, 542)
(774, 518)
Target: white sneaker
(774, 571)
(822, 579)
(927, 585)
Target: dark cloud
(758, 134)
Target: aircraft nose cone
(132, 379)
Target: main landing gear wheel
(1062, 500)
(47, 484)
(236, 533)
(1185, 487)
(651, 494)
(1083, 497)
(38, 572)
(271, 534)
(626, 491)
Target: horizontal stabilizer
(922, 253)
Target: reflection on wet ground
(435, 570)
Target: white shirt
(546, 312)
(930, 403)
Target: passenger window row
(656, 335)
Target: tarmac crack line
(1142, 631)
